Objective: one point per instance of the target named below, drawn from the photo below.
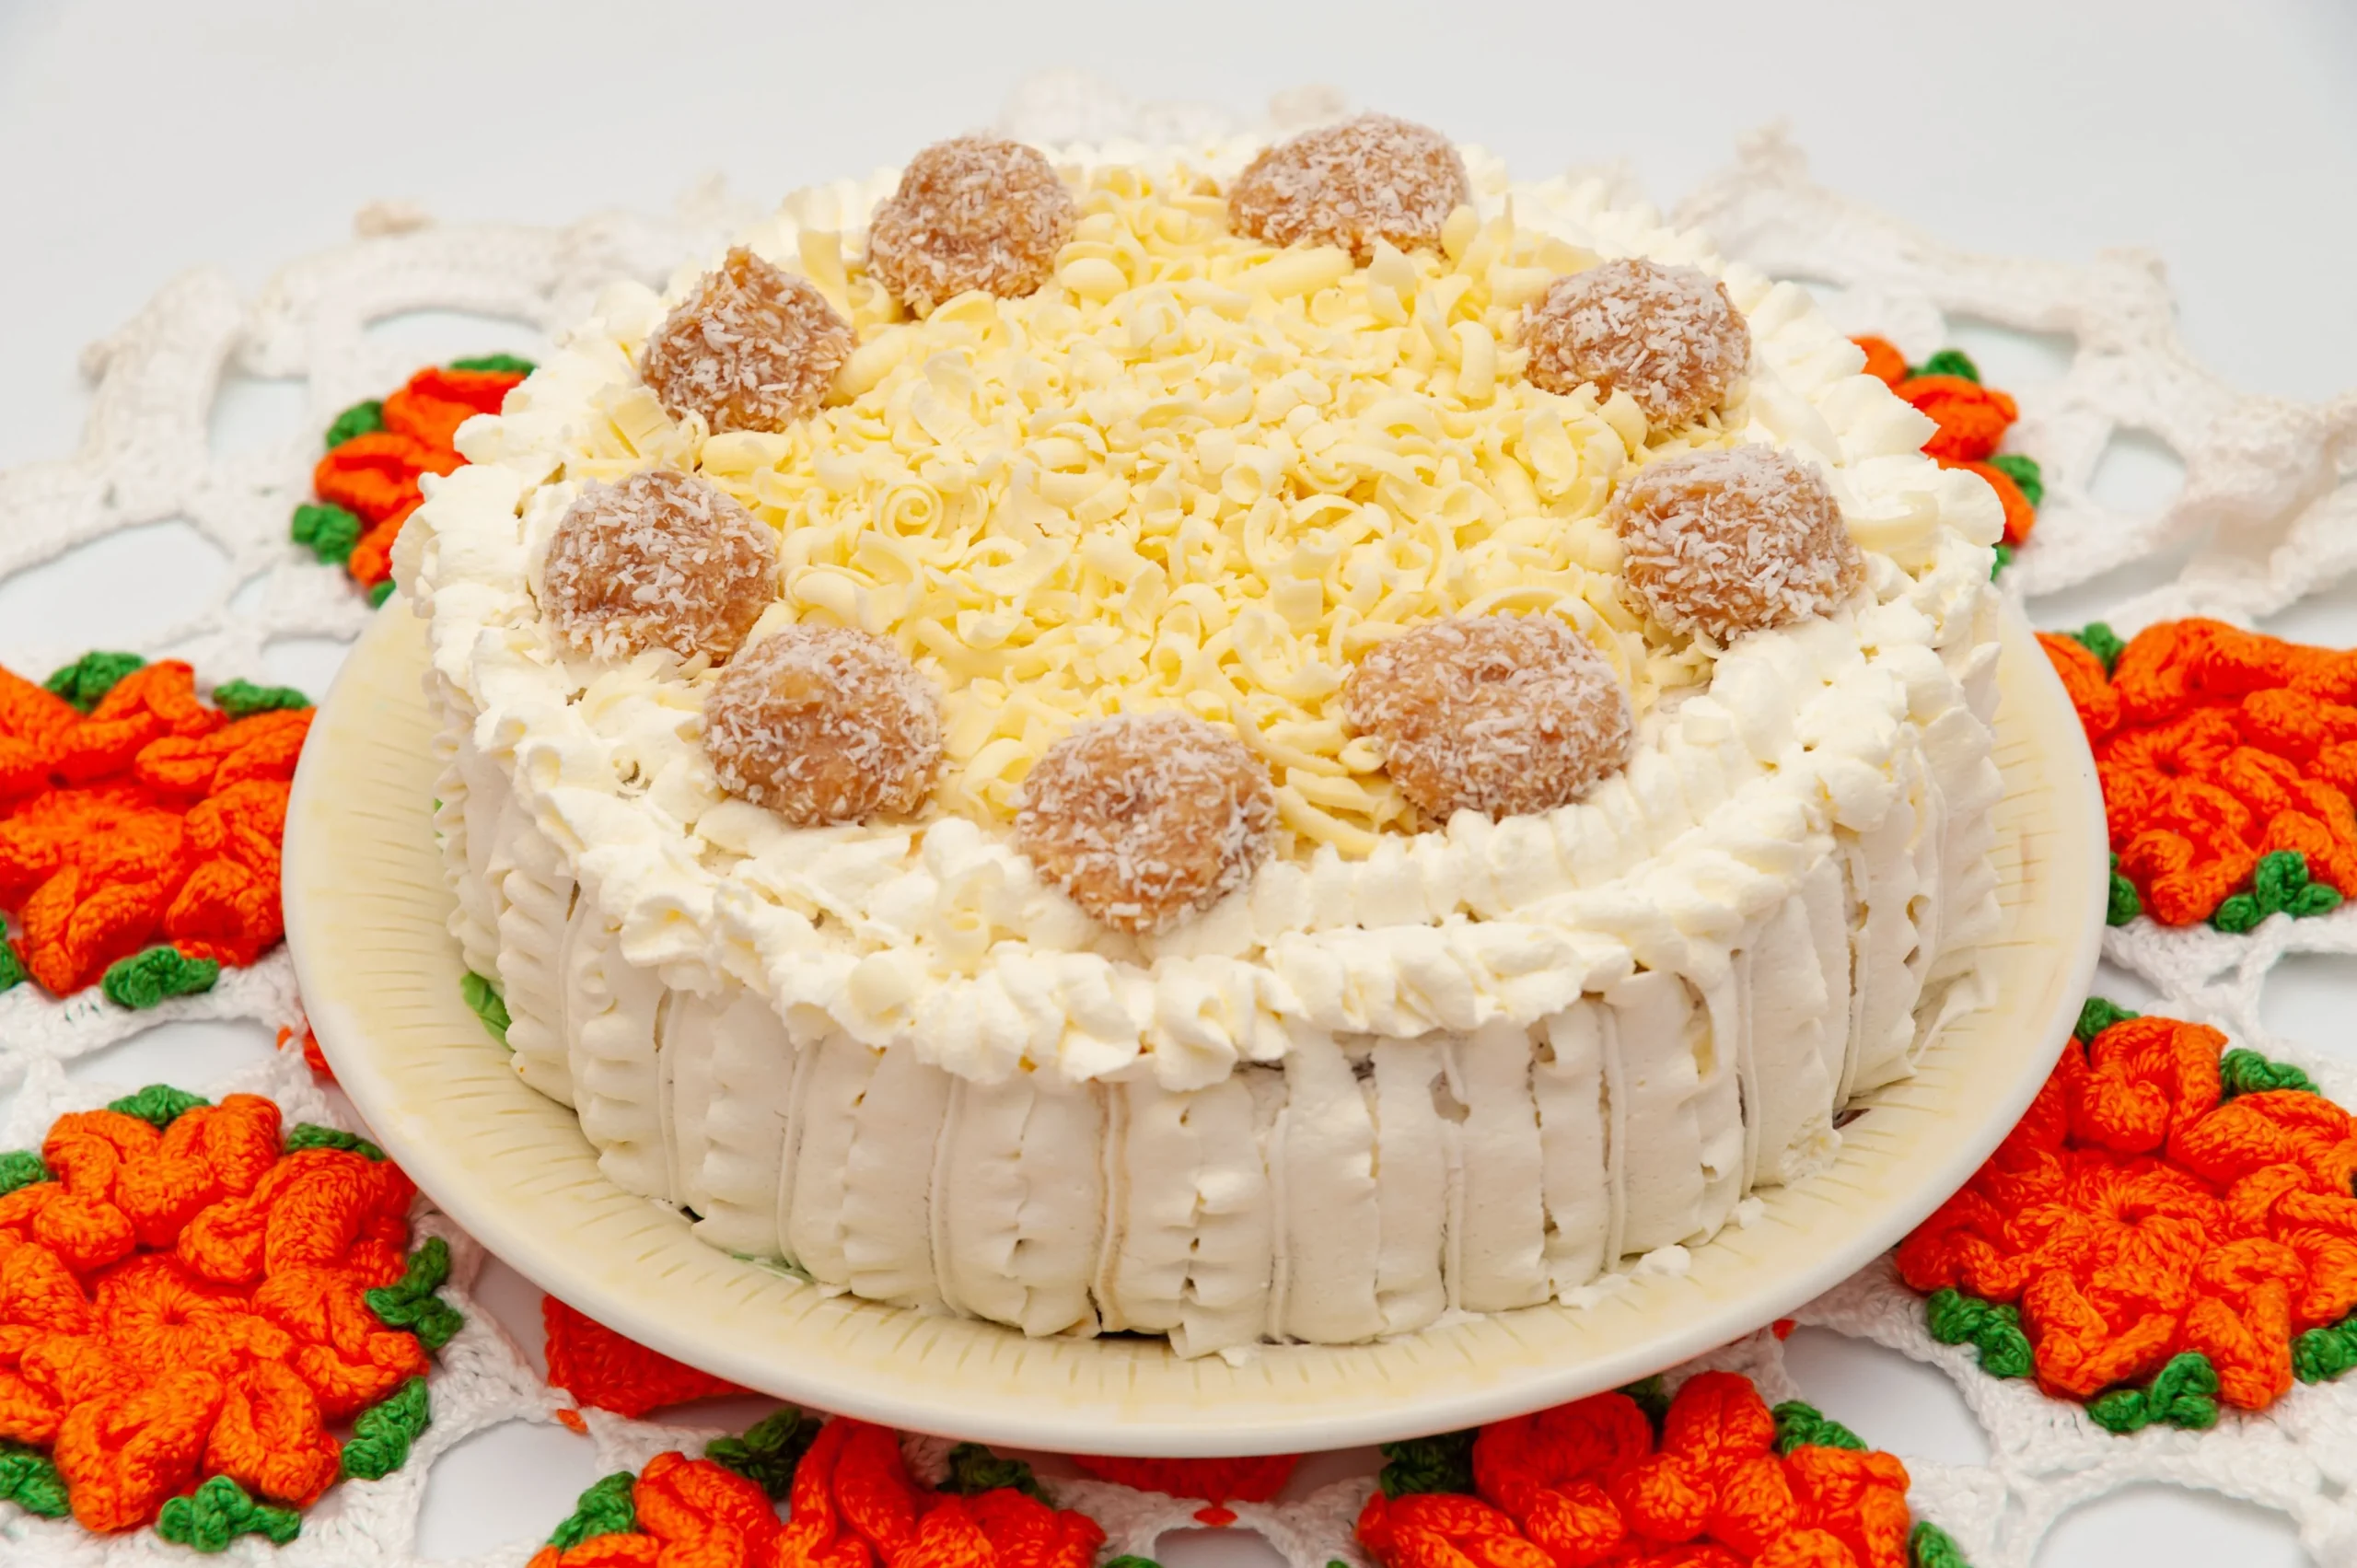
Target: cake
(1240, 744)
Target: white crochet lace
(2268, 509)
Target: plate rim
(1445, 1383)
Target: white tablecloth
(137, 142)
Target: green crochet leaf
(2123, 905)
(12, 966)
(1949, 362)
(483, 999)
(769, 1451)
(91, 677)
(383, 1433)
(974, 1469)
(1992, 1329)
(360, 419)
(2098, 638)
(1444, 1463)
(30, 1481)
(2004, 557)
(2028, 478)
(1652, 1396)
(310, 1135)
(2098, 1015)
(2244, 1072)
(158, 1105)
(2322, 1355)
(410, 1303)
(1803, 1426)
(506, 364)
(150, 978)
(218, 1512)
(1928, 1546)
(381, 593)
(2279, 884)
(606, 1509)
(2183, 1393)
(330, 531)
(21, 1167)
(240, 699)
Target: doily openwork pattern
(2269, 510)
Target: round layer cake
(1242, 744)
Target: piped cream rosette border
(943, 937)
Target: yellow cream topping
(1191, 471)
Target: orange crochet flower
(1971, 418)
(378, 452)
(2021, 516)
(153, 817)
(2217, 748)
(437, 401)
(185, 1304)
(1586, 1484)
(2137, 1215)
(1883, 362)
(853, 1505)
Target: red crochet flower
(611, 1372)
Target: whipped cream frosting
(1365, 1186)
(1814, 742)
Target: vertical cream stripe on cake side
(1412, 1184)
(611, 1003)
(540, 894)
(1885, 1011)
(839, 1071)
(1226, 1301)
(1714, 1034)
(1574, 1182)
(753, 1083)
(1789, 1001)
(1501, 1256)
(887, 1181)
(1661, 1169)
(1332, 1217)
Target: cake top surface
(1194, 472)
(1197, 471)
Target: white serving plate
(365, 912)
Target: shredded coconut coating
(824, 724)
(973, 212)
(1504, 715)
(1143, 819)
(1368, 178)
(1729, 541)
(753, 348)
(1667, 336)
(660, 559)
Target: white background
(138, 142)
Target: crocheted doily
(2268, 513)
